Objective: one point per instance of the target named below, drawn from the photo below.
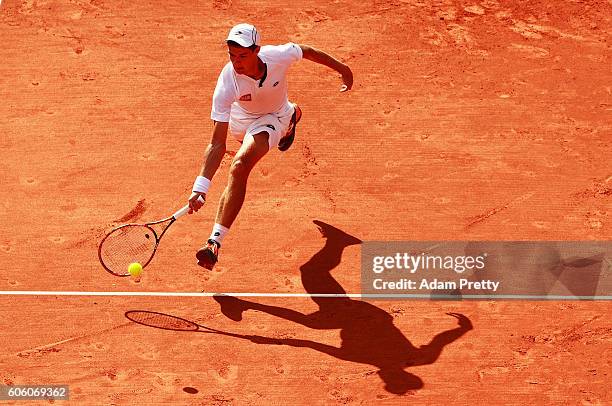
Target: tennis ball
(135, 269)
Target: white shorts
(243, 124)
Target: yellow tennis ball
(135, 269)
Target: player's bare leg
(252, 150)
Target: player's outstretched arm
(318, 56)
(215, 150)
(212, 160)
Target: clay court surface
(468, 121)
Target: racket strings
(127, 245)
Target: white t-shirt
(250, 96)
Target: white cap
(244, 34)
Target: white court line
(297, 295)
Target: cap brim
(240, 41)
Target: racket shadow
(164, 321)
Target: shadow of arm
(429, 353)
(292, 342)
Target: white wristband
(201, 185)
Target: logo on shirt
(275, 83)
(246, 97)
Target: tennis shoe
(287, 140)
(208, 255)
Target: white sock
(218, 233)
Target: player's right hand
(196, 201)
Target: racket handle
(184, 210)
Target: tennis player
(250, 100)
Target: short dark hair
(235, 44)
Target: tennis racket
(131, 243)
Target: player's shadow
(367, 332)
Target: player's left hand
(347, 79)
